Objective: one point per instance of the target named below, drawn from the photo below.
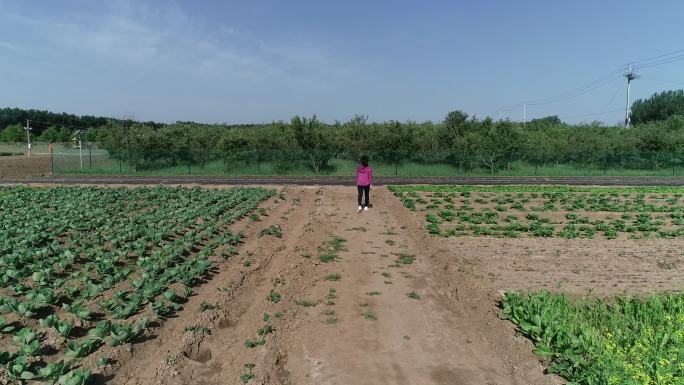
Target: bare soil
(365, 328)
(580, 266)
(23, 166)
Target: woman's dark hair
(364, 161)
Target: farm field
(563, 212)
(86, 270)
(291, 285)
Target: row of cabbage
(82, 268)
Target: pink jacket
(364, 176)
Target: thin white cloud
(135, 35)
(5, 46)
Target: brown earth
(23, 166)
(579, 266)
(451, 334)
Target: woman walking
(364, 177)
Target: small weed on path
(333, 277)
(331, 249)
(368, 315)
(247, 377)
(413, 295)
(204, 306)
(306, 302)
(331, 316)
(264, 330)
(197, 329)
(273, 230)
(103, 361)
(405, 259)
(337, 243)
(254, 343)
(274, 297)
(327, 257)
(372, 293)
(389, 231)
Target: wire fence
(68, 158)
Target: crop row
(546, 213)
(593, 341)
(84, 267)
(538, 189)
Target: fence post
(189, 157)
(258, 156)
(52, 162)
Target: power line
(648, 62)
(662, 80)
(659, 56)
(596, 83)
(662, 61)
(591, 114)
(580, 92)
(52, 124)
(613, 97)
(49, 124)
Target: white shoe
(365, 208)
(359, 208)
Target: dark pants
(364, 190)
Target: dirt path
(414, 339)
(401, 311)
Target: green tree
(455, 125)
(492, 142)
(13, 133)
(659, 106)
(65, 135)
(397, 142)
(359, 134)
(50, 134)
(311, 137)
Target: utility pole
(499, 114)
(630, 74)
(524, 114)
(28, 137)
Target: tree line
(655, 141)
(462, 141)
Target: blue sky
(258, 60)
